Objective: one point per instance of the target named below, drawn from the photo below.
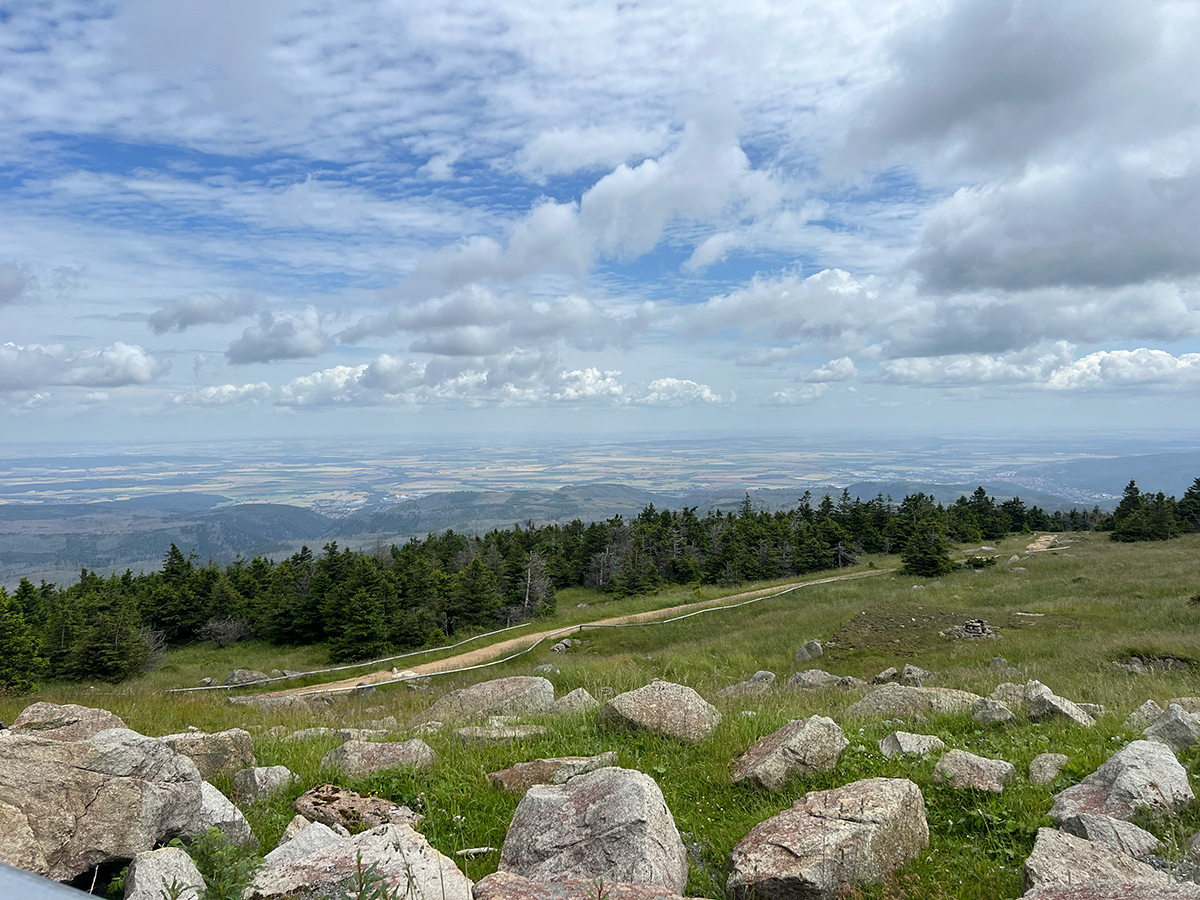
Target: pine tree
(927, 553)
(20, 649)
(1189, 508)
(475, 597)
(363, 631)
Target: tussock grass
(1099, 602)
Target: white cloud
(800, 396)
(1029, 367)
(1111, 369)
(840, 369)
(36, 365)
(202, 309)
(561, 151)
(220, 395)
(590, 384)
(677, 392)
(282, 336)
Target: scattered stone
(999, 664)
(498, 734)
(612, 824)
(664, 708)
(902, 743)
(507, 886)
(260, 782)
(335, 806)
(69, 806)
(887, 676)
(1095, 710)
(310, 734)
(152, 872)
(1143, 717)
(428, 728)
(310, 838)
(1176, 728)
(1063, 859)
(1014, 696)
(758, 683)
(856, 834)
(515, 695)
(288, 703)
(852, 683)
(1044, 767)
(811, 650)
(1189, 704)
(577, 702)
(801, 747)
(1141, 774)
(245, 676)
(216, 811)
(991, 712)
(220, 753)
(971, 630)
(1047, 705)
(1124, 837)
(900, 700)
(562, 646)
(813, 678)
(401, 856)
(294, 827)
(387, 724)
(547, 669)
(472, 852)
(1014, 558)
(358, 758)
(67, 722)
(521, 777)
(961, 769)
(913, 675)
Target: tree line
(367, 604)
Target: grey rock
(216, 811)
(507, 886)
(152, 872)
(999, 663)
(358, 758)
(900, 700)
(305, 841)
(1014, 696)
(887, 676)
(813, 678)
(1189, 704)
(903, 743)
(1061, 859)
(664, 708)
(1048, 705)
(310, 734)
(294, 827)
(362, 734)
(547, 669)
(498, 734)
(245, 676)
(1140, 775)
(612, 824)
(991, 712)
(856, 834)
(1143, 717)
(219, 753)
(1124, 837)
(260, 782)
(1176, 728)
(914, 675)
(577, 702)
(1095, 710)
(386, 724)
(340, 808)
(801, 747)
(1111, 891)
(758, 683)
(521, 777)
(287, 704)
(963, 770)
(852, 683)
(401, 856)
(811, 650)
(516, 695)
(66, 722)
(1044, 767)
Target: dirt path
(512, 645)
(1045, 542)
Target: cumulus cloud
(801, 396)
(840, 369)
(282, 336)
(202, 309)
(677, 392)
(36, 365)
(14, 280)
(218, 395)
(1030, 367)
(561, 151)
(1111, 369)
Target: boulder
(66, 722)
(758, 683)
(216, 811)
(913, 675)
(68, 806)
(547, 669)
(1011, 695)
(858, 833)
(307, 840)
(1063, 859)
(902, 700)
(664, 708)
(1140, 775)
(294, 827)
(288, 704)
(220, 753)
(358, 758)
(310, 734)
(1044, 767)
(401, 856)
(887, 676)
(1047, 705)
(857, 684)
(612, 824)
(902, 743)
(811, 650)
(990, 712)
(507, 886)
(1113, 891)
(999, 663)
(801, 747)
(1189, 704)
(1115, 834)
(1143, 717)
(498, 734)
(577, 702)
(258, 783)
(1176, 728)
(362, 734)
(521, 777)
(1095, 710)
(245, 676)
(335, 806)
(153, 872)
(515, 695)
(813, 678)
(962, 770)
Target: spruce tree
(20, 649)
(927, 553)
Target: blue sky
(224, 220)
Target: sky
(224, 220)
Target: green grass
(1099, 602)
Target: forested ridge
(365, 604)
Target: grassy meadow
(1095, 602)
